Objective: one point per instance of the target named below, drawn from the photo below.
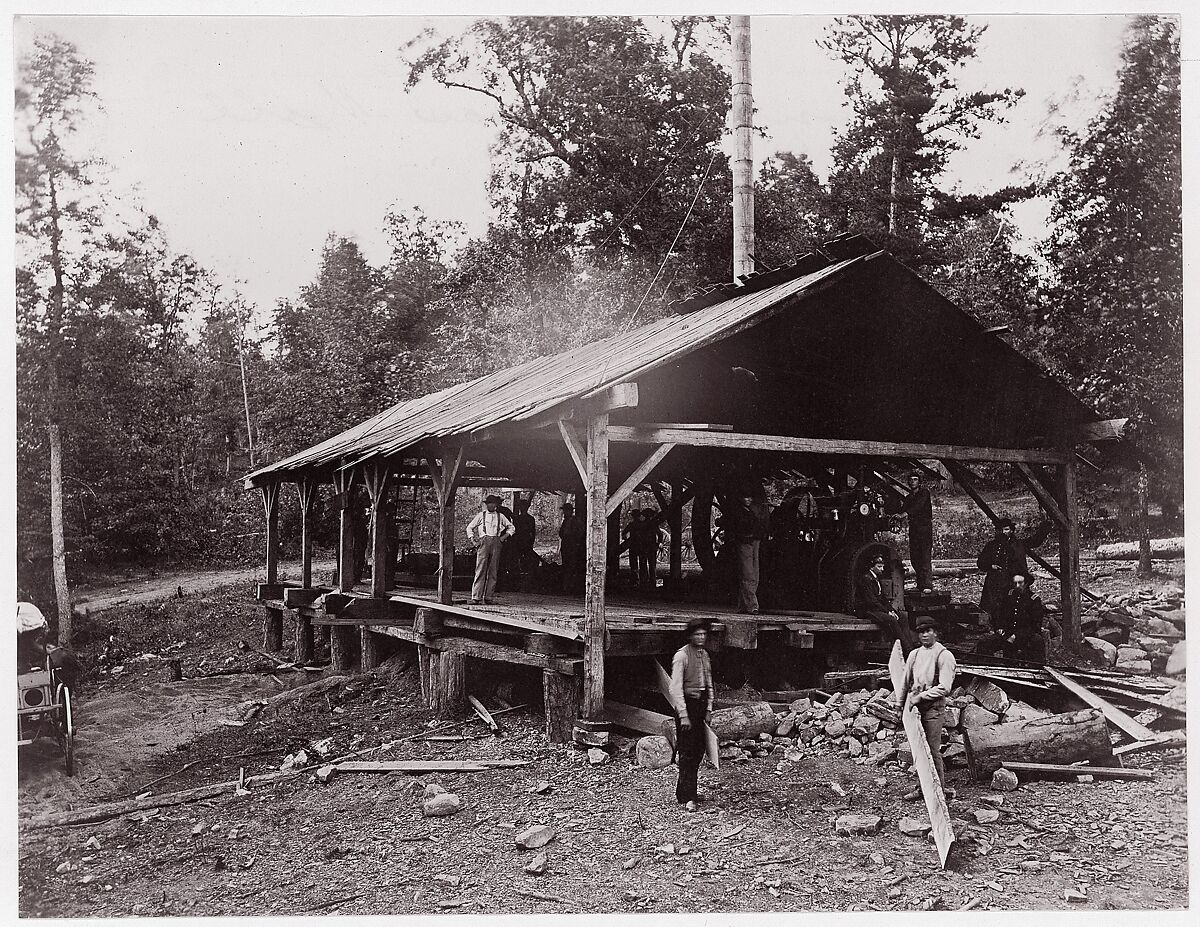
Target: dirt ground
(359, 844)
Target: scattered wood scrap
(1035, 770)
(419, 767)
(484, 715)
(1111, 712)
(637, 719)
(1165, 741)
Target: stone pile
(1140, 631)
(865, 726)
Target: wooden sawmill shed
(839, 364)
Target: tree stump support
(561, 694)
(341, 647)
(369, 648)
(304, 639)
(447, 683)
(272, 629)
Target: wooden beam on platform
(1044, 498)
(1034, 770)
(596, 485)
(1112, 714)
(962, 476)
(307, 490)
(644, 469)
(377, 476)
(445, 480)
(1068, 557)
(575, 447)
(782, 443)
(270, 498)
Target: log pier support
(447, 683)
(561, 695)
(597, 559)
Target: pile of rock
(865, 726)
(1140, 631)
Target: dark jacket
(752, 523)
(919, 508)
(1001, 559)
(1021, 614)
(871, 597)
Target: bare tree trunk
(743, 162)
(1145, 566)
(62, 594)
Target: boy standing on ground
(691, 691)
(928, 678)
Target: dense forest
(146, 387)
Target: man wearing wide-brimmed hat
(487, 532)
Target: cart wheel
(67, 728)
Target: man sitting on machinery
(874, 604)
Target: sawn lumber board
(712, 748)
(1111, 712)
(931, 786)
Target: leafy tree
(909, 116)
(1115, 306)
(607, 131)
(791, 209)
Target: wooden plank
(712, 747)
(636, 478)
(1049, 506)
(1165, 741)
(499, 616)
(690, 426)
(1112, 713)
(931, 786)
(637, 719)
(294, 597)
(575, 448)
(484, 715)
(596, 483)
(497, 653)
(1033, 770)
(417, 767)
(638, 435)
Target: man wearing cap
(873, 604)
(691, 692)
(928, 678)
(487, 532)
(1020, 621)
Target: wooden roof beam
(639, 435)
(618, 396)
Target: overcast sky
(253, 138)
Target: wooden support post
(423, 655)
(307, 490)
(1044, 498)
(561, 696)
(270, 496)
(597, 558)
(273, 630)
(369, 648)
(445, 482)
(675, 525)
(343, 484)
(304, 639)
(381, 567)
(447, 683)
(341, 647)
(1068, 556)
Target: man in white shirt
(487, 532)
(929, 675)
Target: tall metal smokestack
(743, 159)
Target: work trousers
(646, 569)
(747, 559)
(920, 551)
(933, 719)
(897, 627)
(487, 568)
(689, 747)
